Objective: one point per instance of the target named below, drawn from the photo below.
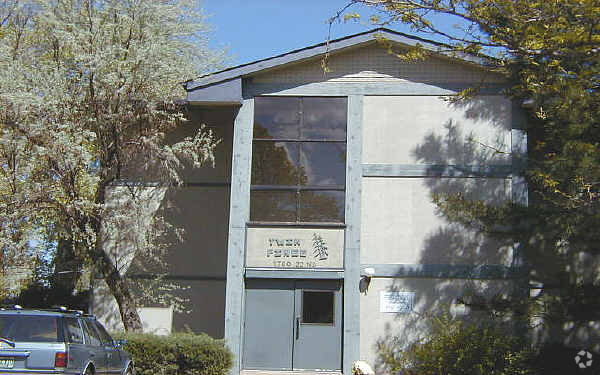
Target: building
(316, 238)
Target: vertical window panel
(306, 157)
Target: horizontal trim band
(299, 140)
(157, 184)
(444, 271)
(178, 277)
(297, 187)
(371, 87)
(276, 224)
(293, 274)
(434, 170)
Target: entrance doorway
(293, 324)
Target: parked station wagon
(58, 341)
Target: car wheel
(130, 371)
(88, 371)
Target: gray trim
(352, 240)
(222, 93)
(292, 274)
(322, 48)
(519, 157)
(433, 170)
(444, 271)
(238, 215)
(149, 276)
(519, 187)
(329, 88)
(286, 224)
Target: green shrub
(455, 347)
(177, 354)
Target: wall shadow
(568, 321)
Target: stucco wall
(430, 130)
(197, 263)
(401, 224)
(431, 295)
(419, 139)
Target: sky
(257, 29)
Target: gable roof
(309, 52)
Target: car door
(78, 351)
(94, 345)
(114, 362)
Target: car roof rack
(62, 309)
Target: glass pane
(74, 333)
(275, 163)
(276, 117)
(324, 118)
(317, 307)
(322, 206)
(104, 336)
(273, 206)
(91, 333)
(324, 163)
(29, 328)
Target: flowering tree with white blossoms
(89, 91)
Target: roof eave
(310, 52)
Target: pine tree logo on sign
(319, 247)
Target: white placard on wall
(396, 302)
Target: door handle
(297, 327)
(92, 354)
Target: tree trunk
(116, 282)
(120, 290)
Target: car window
(104, 336)
(74, 332)
(91, 333)
(30, 328)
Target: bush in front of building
(177, 354)
(457, 347)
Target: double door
(293, 324)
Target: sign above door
(295, 248)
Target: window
(104, 336)
(74, 333)
(317, 307)
(299, 159)
(91, 335)
(30, 328)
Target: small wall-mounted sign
(396, 302)
(300, 248)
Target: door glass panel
(317, 307)
(94, 338)
(74, 333)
